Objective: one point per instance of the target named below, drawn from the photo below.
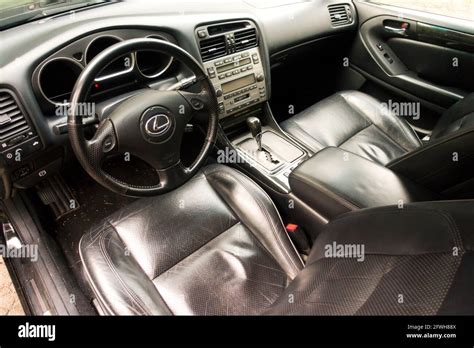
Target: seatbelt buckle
(299, 238)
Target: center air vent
(245, 39)
(341, 14)
(12, 120)
(213, 47)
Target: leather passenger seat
(358, 123)
(217, 246)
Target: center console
(249, 138)
(269, 154)
(233, 56)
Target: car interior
(242, 157)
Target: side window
(453, 8)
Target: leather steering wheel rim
(111, 138)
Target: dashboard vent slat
(6, 103)
(12, 119)
(213, 48)
(340, 14)
(245, 39)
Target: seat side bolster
(257, 212)
(112, 270)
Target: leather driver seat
(360, 124)
(217, 246)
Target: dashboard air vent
(12, 120)
(245, 39)
(213, 47)
(341, 14)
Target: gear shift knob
(255, 127)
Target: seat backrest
(363, 261)
(446, 164)
(460, 116)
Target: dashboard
(236, 43)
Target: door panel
(427, 59)
(427, 56)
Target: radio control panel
(238, 80)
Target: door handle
(398, 31)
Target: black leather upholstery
(217, 246)
(459, 117)
(335, 181)
(418, 260)
(213, 246)
(355, 122)
(445, 165)
(358, 123)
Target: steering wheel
(148, 125)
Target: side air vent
(245, 39)
(341, 14)
(213, 47)
(12, 120)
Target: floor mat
(96, 203)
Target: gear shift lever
(255, 127)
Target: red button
(291, 227)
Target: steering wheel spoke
(200, 103)
(159, 157)
(103, 144)
(174, 175)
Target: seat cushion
(418, 260)
(216, 245)
(355, 122)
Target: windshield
(15, 12)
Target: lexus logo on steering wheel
(157, 125)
